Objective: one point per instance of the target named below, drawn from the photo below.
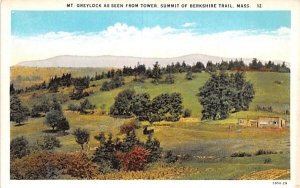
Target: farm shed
(263, 122)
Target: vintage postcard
(129, 90)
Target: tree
(19, 147)
(223, 94)
(156, 73)
(153, 146)
(210, 67)
(63, 125)
(86, 105)
(140, 105)
(189, 75)
(54, 118)
(82, 136)
(105, 153)
(170, 79)
(18, 113)
(122, 105)
(199, 67)
(55, 105)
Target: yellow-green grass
(234, 168)
(26, 74)
(267, 92)
(180, 137)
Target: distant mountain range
(120, 61)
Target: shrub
(86, 105)
(50, 142)
(19, 147)
(46, 165)
(187, 113)
(135, 159)
(170, 79)
(170, 157)
(265, 152)
(128, 127)
(73, 107)
(241, 154)
(267, 161)
(153, 146)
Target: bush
(241, 154)
(187, 113)
(19, 147)
(170, 157)
(128, 127)
(135, 159)
(170, 79)
(265, 152)
(47, 165)
(50, 142)
(268, 160)
(73, 107)
(153, 146)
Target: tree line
(162, 107)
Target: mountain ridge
(120, 61)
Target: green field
(189, 135)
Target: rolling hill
(120, 61)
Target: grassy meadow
(209, 142)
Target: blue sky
(30, 23)
(233, 34)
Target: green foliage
(187, 113)
(129, 142)
(81, 83)
(63, 125)
(170, 157)
(18, 113)
(267, 161)
(54, 118)
(43, 106)
(105, 154)
(153, 146)
(122, 105)
(241, 154)
(156, 73)
(19, 147)
(166, 107)
(86, 105)
(198, 67)
(73, 107)
(265, 152)
(223, 94)
(82, 136)
(189, 75)
(163, 107)
(116, 81)
(210, 67)
(140, 106)
(170, 79)
(49, 143)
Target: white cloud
(121, 39)
(189, 24)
